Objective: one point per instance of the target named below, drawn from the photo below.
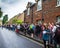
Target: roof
(31, 4)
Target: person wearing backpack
(32, 28)
(57, 36)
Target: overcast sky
(13, 7)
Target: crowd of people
(49, 33)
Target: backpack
(30, 27)
(57, 35)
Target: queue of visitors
(49, 33)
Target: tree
(19, 21)
(5, 19)
(1, 13)
(14, 21)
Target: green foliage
(19, 21)
(14, 21)
(6, 23)
(5, 19)
(1, 13)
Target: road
(9, 39)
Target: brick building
(19, 16)
(51, 10)
(42, 11)
(28, 13)
(11, 20)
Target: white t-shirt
(54, 29)
(44, 32)
(18, 26)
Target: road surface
(9, 39)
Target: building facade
(43, 11)
(11, 20)
(16, 18)
(21, 17)
(51, 10)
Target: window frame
(58, 18)
(39, 5)
(58, 2)
(28, 11)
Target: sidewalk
(34, 38)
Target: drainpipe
(42, 17)
(42, 14)
(32, 16)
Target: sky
(13, 7)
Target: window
(28, 11)
(58, 2)
(58, 19)
(39, 22)
(39, 5)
